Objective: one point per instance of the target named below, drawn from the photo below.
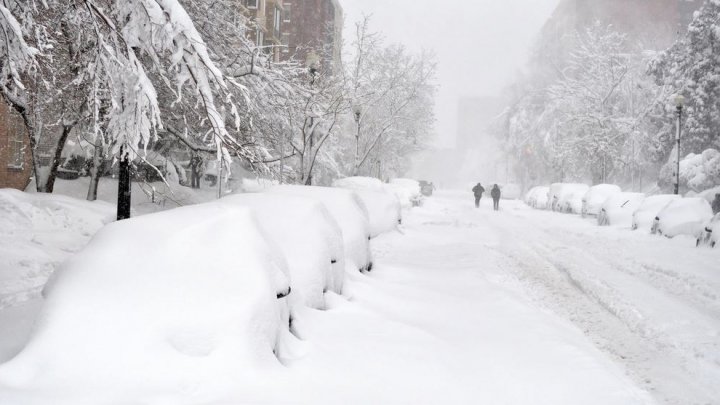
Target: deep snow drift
(184, 301)
(465, 306)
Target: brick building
(15, 157)
(267, 15)
(313, 31)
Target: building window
(287, 13)
(252, 3)
(260, 36)
(16, 144)
(276, 23)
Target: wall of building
(11, 129)
(314, 28)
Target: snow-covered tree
(692, 68)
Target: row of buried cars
(201, 293)
(662, 214)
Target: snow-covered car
(349, 211)
(710, 234)
(618, 209)
(407, 191)
(537, 197)
(570, 198)
(686, 216)
(644, 216)
(309, 238)
(155, 301)
(384, 209)
(554, 195)
(593, 200)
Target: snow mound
(37, 233)
(595, 197)
(384, 210)
(644, 216)
(154, 303)
(618, 210)
(570, 198)
(686, 216)
(350, 213)
(537, 197)
(360, 183)
(308, 237)
(408, 191)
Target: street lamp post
(357, 113)
(679, 104)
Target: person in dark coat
(478, 190)
(716, 204)
(495, 193)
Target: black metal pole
(123, 204)
(677, 173)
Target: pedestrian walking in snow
(195, 167)
(716, 204)
(495, 193)
(478, 190)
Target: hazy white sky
(481, 45)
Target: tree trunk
(49, 180)
(96, 170)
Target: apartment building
(15, 157)
(267, 16)
(313, 32)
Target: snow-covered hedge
(349, 211)
(187, 295)
(618, 210)
(309, 238)
(383, 206)
(686, 216)
(644, 216)
(698, 172)
(593, 200)
(537, 197)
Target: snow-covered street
(474, 306)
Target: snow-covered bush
(511, 191)
(309, 238)
(570, 198)
(595, 197)
(686, 216)
(349, 212)
(193, 294)
(644, 216)
(618, 210)
(537, 197)
(698, 172)
(383, 206)
(407, 191)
